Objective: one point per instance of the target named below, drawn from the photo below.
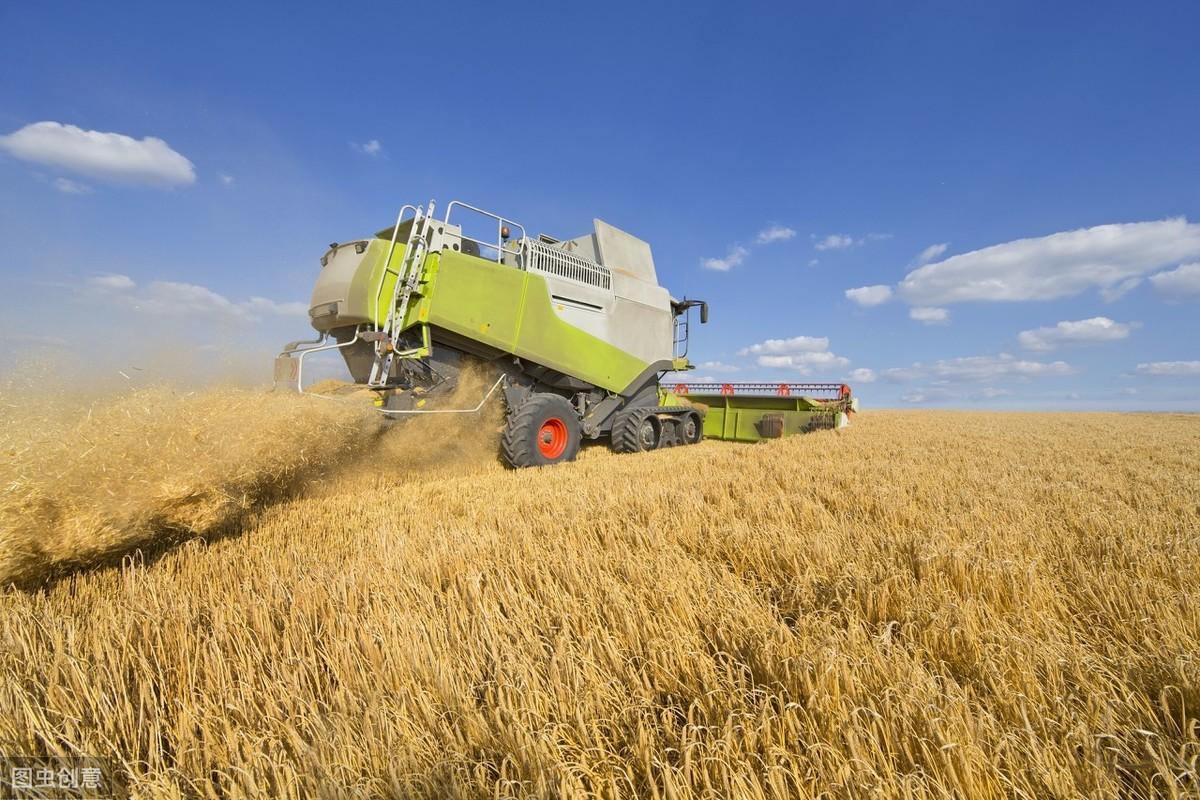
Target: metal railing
(553, 261)
(317, 345)
(387, 262)
(472, 410)
(681, 325)
(503, 244)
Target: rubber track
(624, 433)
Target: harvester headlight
(323, 310)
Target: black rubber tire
(628, 435)
(519, 444)
(691, 428)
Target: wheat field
(233, 595)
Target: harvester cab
(575, 333)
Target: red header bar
(832, 390)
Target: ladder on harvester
(387, 338)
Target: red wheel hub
(552, 438)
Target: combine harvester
(576, 332)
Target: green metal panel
(360, 294)
(669, 399)
(741, 417)
(379, 250)
(510, 309)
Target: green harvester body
(578, 332)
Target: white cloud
(736, 255)
(173, 298)
(1084, 331)
(835, 241)
(111, 157)
(717, 366)
(862, 375)
(1179, 282)
(796, 344)
(870, 295)
(1171, 368)
(942, 394)
(264, 305)
(982, 368)
(774, 233)
(372, 148)
(802, 362)
(977, 368)
(226, 179)
(929, 394)
(1112, 294)
(841, 241)
(812, 262)
(932, 252)
(68, 186)
(116, 282)
(800, 353)
(930, 315)
(1058, 265)
(904, 374)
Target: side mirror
(704, 313)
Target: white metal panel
(624, 252)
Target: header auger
(575, 333)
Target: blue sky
(1014, 189)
